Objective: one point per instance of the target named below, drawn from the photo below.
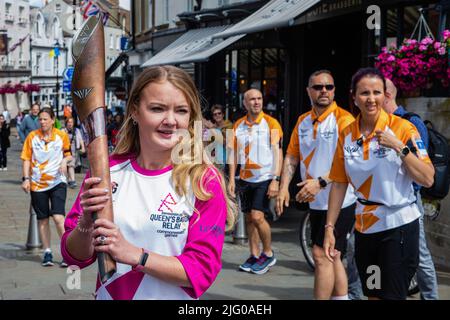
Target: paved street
(23, 277)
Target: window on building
(166, 11)
(8, 7)
(190, 5)
(117, 42)
(21, 12)
(38, 63)
(256, 69)
(56, 29)
(58, 8)
(111, 41)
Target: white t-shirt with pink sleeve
(151, 215)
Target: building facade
(15, 62)
(54, 26)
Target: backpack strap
(409, 115)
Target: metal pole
(240, 232)
(33, 239)
(57, 83)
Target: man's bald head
(391, 89)
(253, 101)
(391, 94)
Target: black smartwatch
(25, 178)
(404, 152)
(322, 182)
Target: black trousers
(3, 159)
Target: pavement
(22, 277)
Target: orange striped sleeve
(344, 118)
(276, 132)
(232, 144)
(294, 144)
(293, 148)
(27, 150)
(337, 172)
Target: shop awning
(196, 45)
(275, 14)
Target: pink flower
(422, 47)
(441, 51)
(426, 41)
(446, 34)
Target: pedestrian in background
(30, 121)
(45, 154)
(77, 149)
(426, 273)
(256, 146)
(222, 125)
(4, 142)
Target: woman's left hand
(114, 243)
(388, 140)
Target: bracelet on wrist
(83, 229)
(329, 226)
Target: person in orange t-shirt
(45, 154)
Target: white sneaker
(5, 169)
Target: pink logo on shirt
(165, 203)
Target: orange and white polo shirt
(378, 174)
(46, 157)
(257, 147)
(314, 142)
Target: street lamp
(57, 76)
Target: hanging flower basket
(416, 64)
(31, 87)
(19, 87)
(7, 88)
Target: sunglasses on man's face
(319, 87)
(217, 114)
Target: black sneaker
(247, 265)
(48, 260)
(63, 264)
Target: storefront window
(410, 17)
(391, 27)
(256, 69)
(262, 69)
(243, 70)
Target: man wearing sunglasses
(313, 144)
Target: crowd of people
(360, 169)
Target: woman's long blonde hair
(186, 170)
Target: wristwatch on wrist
(276, 178)
(404, 152)
(142, 261)
(322, 182)
(25, 178)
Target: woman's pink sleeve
(69, 224)
(201, 257)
